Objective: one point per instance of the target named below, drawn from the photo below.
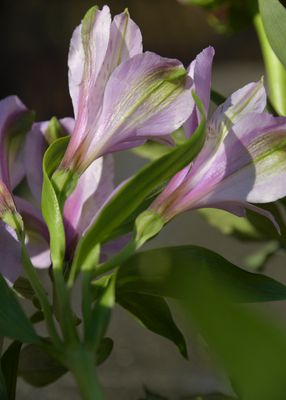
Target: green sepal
(54, 131)
(147, 225)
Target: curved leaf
(274, 20)
(169, 272)
(13, 321)
(9, 364)
(154, 313)
(50, 204)
(39, 369)
(251, 346)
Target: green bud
(147, 225)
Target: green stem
(118, 259)
(82, 366)
(66, 317)
(87, 300)
(41, 295)
(87, 295)
(276, 73)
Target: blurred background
(35, 37)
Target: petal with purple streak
(147, 95)
(10, 109)
(200, 70)
(94, 187)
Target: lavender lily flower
(93, 188)
(242, 161)
(120, 95)
(11, 109)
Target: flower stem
(118, 259)
(41, 295)
(82, 366)
(276, 73)
(66, 317)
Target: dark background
(34, 41)
(35, 37)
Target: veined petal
(200, 70)
(87, 52)
(147, 95)
(125, 41)
(10, 253)
(37, 234)
(162, 200)
(38, 249)
(249, 99)
(93, 188)
(252, 164)
(11, 108)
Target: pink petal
(84, 65)
(141, 99)
(200, 71)
(10, 109)
(10, 253)
(94, 187)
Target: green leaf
(253, 227)
(3, 390)
(264, 226)
(134, 192)
(104, 350)
(154, 313)
(250, 346)
(274, 20)
(13, 321)
(230, 224)
(215, 396)
(257, 261)
(152, 150)
(54, 130)
(38, 368)
(50, 205)
(169, 272)
(9, 364)
(217, 98)
(101, 315)
(150, 395)
(23, 288)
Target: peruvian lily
(121, 96)
(93, 188)
(15, 120)
(242, 161)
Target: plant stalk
(82, 366)
(276, 73)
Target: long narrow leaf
(274, 20)
(170, 271)
(13, 321)
(132, 195)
